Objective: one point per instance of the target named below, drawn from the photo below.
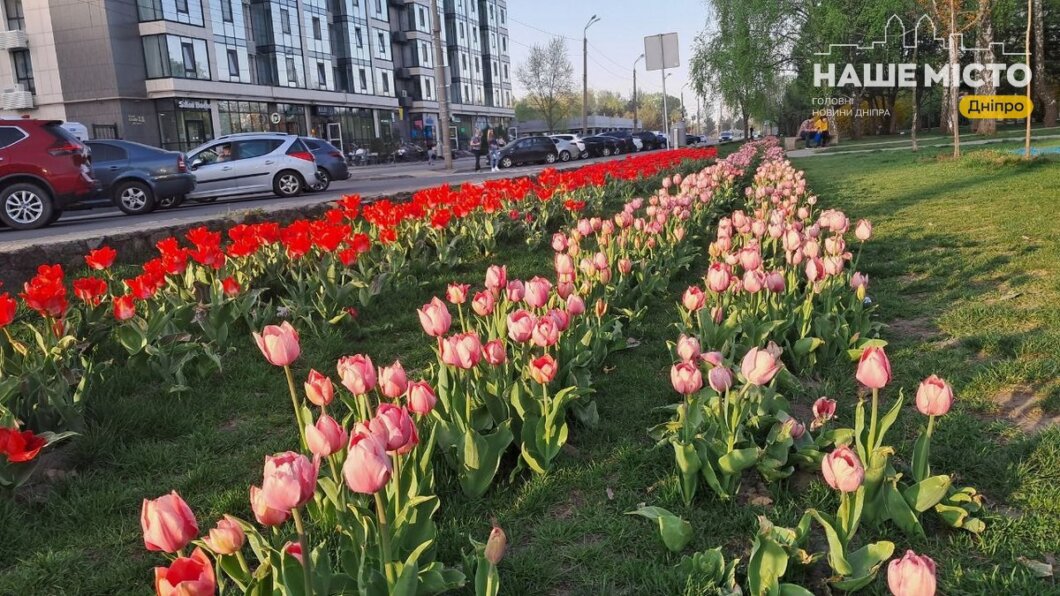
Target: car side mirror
(195, 163)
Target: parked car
(568, 150)
(252, 163)
(649, 142)
(601, 146)
(625, 139)
(725, 136)
(331, 165)
(136, 177)
(664, 141)
(577, 140)
(528, 150)
(43, 169)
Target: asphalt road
(366, 181)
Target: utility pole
(442, 87)
(635, 91)
(699, 117)
(666, 112)
(585, 74)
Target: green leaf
(675, 532)
(766, 566)
(927, 493)
(807, 344)
(836, 549)
(921, 463)
(898, 509)
(794, 590)
(888, 420)
(738, 460)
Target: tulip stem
(294, 404)
(397, 484)
(242, 562)
(307, 559)
(384, 539)
(872, 424)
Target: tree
(959, 17)
(548, 78)
(1045, 86)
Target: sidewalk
(816, 152)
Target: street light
(666, 112)
(585, 73)
(635, 91)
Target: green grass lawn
(935, 138)
(966, 269)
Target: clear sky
(614, 42)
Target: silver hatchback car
(252, 163)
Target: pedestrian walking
(476, 145)
(495, 150)
(430, 153)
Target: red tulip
(90, 290)
(266, 516)
(392, 380)
(187, 576)
(686, 378)
(168, 523)
(520, 326)
(368, 467)
(357, 373)
(230, 286)
(46, 292)
(874, 369)
(8, 306)
(421, 398)
(394, 425)
(326, 437)
(912, 575)
(543, 369)
(101, 258)
(759, 366)
(20, 446)
(934, 397)
(279, 344)
(227, 538)
(435, 318)
(319, 388)
(842, 470)
(289, 480)
(124, 307)
(294, 549)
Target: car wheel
(585, 155)
(170, 202)
(287, 184)
(134, 197)
(26, 206)
(506, 162)
(605, 152)
(323, 183)
(550, 158)
(564, 156)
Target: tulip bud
(435, 318)
(421, 398)
(842, 470)
(279, 344)
(720, 379)
(457, 293)
(759, 366)
(319, 388)
(227, 538)
(934, 396)
(863, 231)
(392, 380)
(693, 299)
(357, 373)
(686, 378)
(912, 575)
(688, 348)
(496, 545)
(543, 369)
(874, 369)
(168, 524)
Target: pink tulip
(494, 352)
(168, 523)
(874, 369)
(795, 428)
(187, 576)
(394, 425)
(686, 378)
(561, 317)
(543, 369)
(859, 281)
(435, 318)
(934, 397)
(483, 303)
(575, 305)
(775, 282)
(625, 266)
(537, 290)
(693, 299)
(289, 480)
(294, 549)
(421, 398)
(545, 332)
(718, 278)
(750, 258)
(463, 350)
(279, 344)
(759, 366)
(559, 242)
(326, 437)
(520, 326)
(753, 281)
(392, 380)
(912, 575)
(717, 315)
(720, 379)
(266, 516)
(357, 373)
(814, 269)
(496, 278)
(863, 231)
(515, 290)
(713, 358)
(368, 466)
(227, 538)
(564, 264)
(687, 348)
(457, 293)
(842, 470)
(564, 289)
(823, 411)
(319, 389)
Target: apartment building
(175, 73)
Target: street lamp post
(585, 74)
(666, 113)
(635, 91)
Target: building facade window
(184, 123)
(233, 63)
(226, 11)
(174, 56)
(188, 12)
(16, 19)
(285, 21)
(292, 72)
(322, 75)
(317, 34)
(23, 69)
(182, 6)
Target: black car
(601, 146)
(528, 150)
(663, 141)
(625, 140)
(649, 142)
(135, 177)
(331, 165)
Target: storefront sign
(275, 118)
(136, 119)
(193, 104)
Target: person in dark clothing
(475, 146)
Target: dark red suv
(43, 168)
